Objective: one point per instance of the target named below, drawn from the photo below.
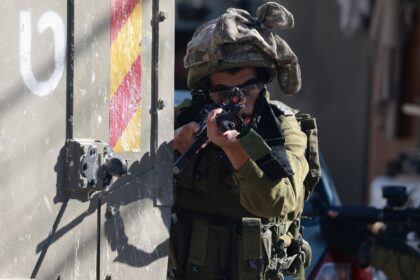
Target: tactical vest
(210, 227)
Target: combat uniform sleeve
(395, 265)
(186, 103)
(266, 198)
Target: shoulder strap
(267, 139)
(309, 127)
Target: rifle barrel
(371, 214)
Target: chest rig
(207, 196)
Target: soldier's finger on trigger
(187, 141)
(213, 114)
(195, 127)
(211, 118)
(177, 139)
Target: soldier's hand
(376, 228)
(183, 136)
(225, 139)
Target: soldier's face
(223, 80)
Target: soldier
(371, 246)
(396, 264)
(238, 202)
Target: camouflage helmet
(236, 39)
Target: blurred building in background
(360, 61)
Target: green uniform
(395, 265)
(244, 224)
(223, 220)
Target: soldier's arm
(264, 197)
(395, 265)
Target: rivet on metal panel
(161, 104)
(162, 16)
(111, 211)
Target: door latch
(90, 166)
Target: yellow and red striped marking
(125, 75)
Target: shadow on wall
(138, 185)
(128, 253)
(129, 189)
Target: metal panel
(33, 131)
(134, 228)
(91, 70)
(120, 231)
(164, 196)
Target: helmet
(236, 39)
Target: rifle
(228, 119)
(399, 220)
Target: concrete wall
(336, 78)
